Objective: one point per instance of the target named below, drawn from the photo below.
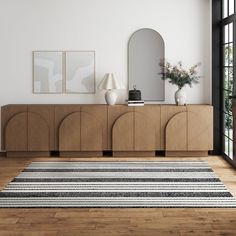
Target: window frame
(223, 22)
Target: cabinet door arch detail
(176, 133)
(134, 131)
(80, 131)
(16, 133)
(123, 133)
(69, 133)
(188, 131)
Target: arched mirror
(146, 50)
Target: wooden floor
(110, 222)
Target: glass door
(228, 69)
(228, 79)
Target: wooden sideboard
(89, 130)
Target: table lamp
(109, 82)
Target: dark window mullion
(225, 44)
(228, 137)
(227, 20)
(226, 113)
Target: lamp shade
(109, 82)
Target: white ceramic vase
(110, 97)
(180, 97)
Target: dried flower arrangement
(179, 76)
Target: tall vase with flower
(179, 76)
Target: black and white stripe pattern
(117, 184)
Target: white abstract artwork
(47, 72)
(64, 72)
(80, 72)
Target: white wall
(104, 26)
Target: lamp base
(110, 97)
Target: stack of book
(135, 103)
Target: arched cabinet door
(16, 133)
(80, 131)
(91, 133)
(176, 133)
(69, 133)
(41, 122)
(199, 135)
(144, 133)
(38, 133)
(167, 112)
(190, 131)
(123, 133)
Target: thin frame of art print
(80, 72)
(47, 72)
(70, 72)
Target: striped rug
(117, 184)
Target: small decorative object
(136, 103)
(180, 97)
(134, 94)
(135, 98)
(109, 82)
(180, 77)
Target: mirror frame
(129, 41)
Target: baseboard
(28, 154)
(3, 154)
(81, 154)
(134, 154)
(100, 154)
(186, 153)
